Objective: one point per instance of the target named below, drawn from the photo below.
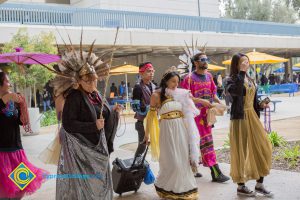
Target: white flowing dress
(175, 179)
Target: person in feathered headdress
(88, 127)
(172, 140)
(200, 82)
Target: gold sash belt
(172, 115)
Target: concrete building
(204, 8)
(67, 2)
(148, 36)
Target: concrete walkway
(284, 184)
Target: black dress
(10, 138)
(85, 150)
(79, 117)
(12, 154)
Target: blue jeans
(46, 104)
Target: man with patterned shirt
(203, 88)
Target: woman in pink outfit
(13, 113)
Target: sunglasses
(204, 60)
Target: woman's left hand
(118, 108)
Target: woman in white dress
(173, 141)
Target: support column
(288, 68)
(141, 58)
(227, 71)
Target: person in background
(130, 89)
(220, 88)
(114, 90)
(122, 89)
(46, 100)
(272, 79)
(226, 94)
(38, 98)
(263, 80)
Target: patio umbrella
(282, 70)
(124, 69)
(20, 58)
(260, 58)
(215, 67)
(297, 65)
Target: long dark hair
(2, 77)
(234, 67)
(163, 84)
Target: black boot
(217, 175)
(198, 175)
(195, 171)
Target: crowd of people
(276, 79)
(120, 92)
(172, 116)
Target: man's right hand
(100, 124)
(206, 103)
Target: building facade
(203, 8)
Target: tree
(261, 10)
(295, 4)
(35, 76)
(283, 13)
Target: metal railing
(45, 14)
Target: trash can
(35, 119)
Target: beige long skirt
(250, 149)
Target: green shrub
(292, 154)
(226, 144)
(49, 118)
(276, 140)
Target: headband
(145, 67)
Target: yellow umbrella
(297, 65)
(260, 58)
(124, 69)
(215, 67)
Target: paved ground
(284, 184)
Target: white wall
(208, 8)
(155, 38)
(26, 1)
(39, 1)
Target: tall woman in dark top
(13, 113)
(250, 148)
(86, 139)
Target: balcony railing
(43, 14)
